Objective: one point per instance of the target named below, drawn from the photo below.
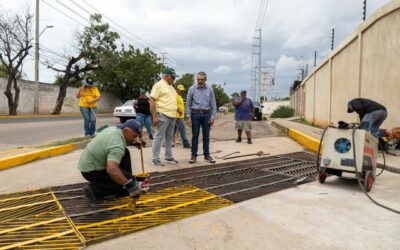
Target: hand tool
(259, 153)
(221, 157)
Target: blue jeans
(89, 120)
(144, 120)
(180, 125)
(165, 128)
(372, 121)
(201, 120)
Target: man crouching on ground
(106, 162)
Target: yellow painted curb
(16, 160)
(305, 140)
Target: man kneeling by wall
(106, 162)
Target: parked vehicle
(125, 112)
(257, 111)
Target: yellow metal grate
(36, 220)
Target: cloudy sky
(215, 36)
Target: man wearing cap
(201, 109)
(143, 115)
(180, 122)
(106, 162)
(372, 114)
(244, 113)
(163, 108)
(88, 95)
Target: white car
(125, 112)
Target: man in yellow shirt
(163, 108)
(180, 118)
(88, 95)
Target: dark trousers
(103, 185)
(201, 120)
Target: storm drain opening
(63, 218)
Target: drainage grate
(63, 218)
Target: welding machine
(342, 158)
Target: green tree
(282, 112)
(220, 96)
(96, 44)
(234, 95)
(129, 71)
(186, 80)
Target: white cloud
(222, 69)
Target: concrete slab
(335, 215)
(61, 170)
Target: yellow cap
(180, 87)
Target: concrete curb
(17, 160)
(47, 116)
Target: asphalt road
(19, 132)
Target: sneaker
(151, 137)
(239, 139)
(158, 163)
(209, 159)
(192, 159)
(249, 141)
(171, 160)
(187, 146)
(88, 191)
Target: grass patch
(69, 141)
(305, 122)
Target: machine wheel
(322, 177)
(368, 181)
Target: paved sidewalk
(392, 162)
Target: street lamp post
(37, 85)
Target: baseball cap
(170, 71)
(180, 87)
(132, 124)
(89, 82)
(243, 91)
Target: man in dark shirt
(143, 115)
(244, 113)
(372, 114)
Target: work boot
(151, 137)
(209, 159)
(193, 159)
(187, 146)
(239, 139)
(88, 191)
(249, 141)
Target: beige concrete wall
(365, 65)
(47, 99)
(322, 96)
(344, 82)
(380, 75)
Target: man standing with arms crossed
(201, 110)
(163, 108)
(244, 112)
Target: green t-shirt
(110, 144)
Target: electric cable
(359, 182)
(384, 159)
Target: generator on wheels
(350, 152)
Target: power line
(73, 19)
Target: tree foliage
(96, 45)
(282, 112)
(129, 71)
(15, 43)
(186, 80)
(220, 96)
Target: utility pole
(256, 74)
(364, 9)
(333, 38)
(37, 86)
(315, 59)
(163, 58)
